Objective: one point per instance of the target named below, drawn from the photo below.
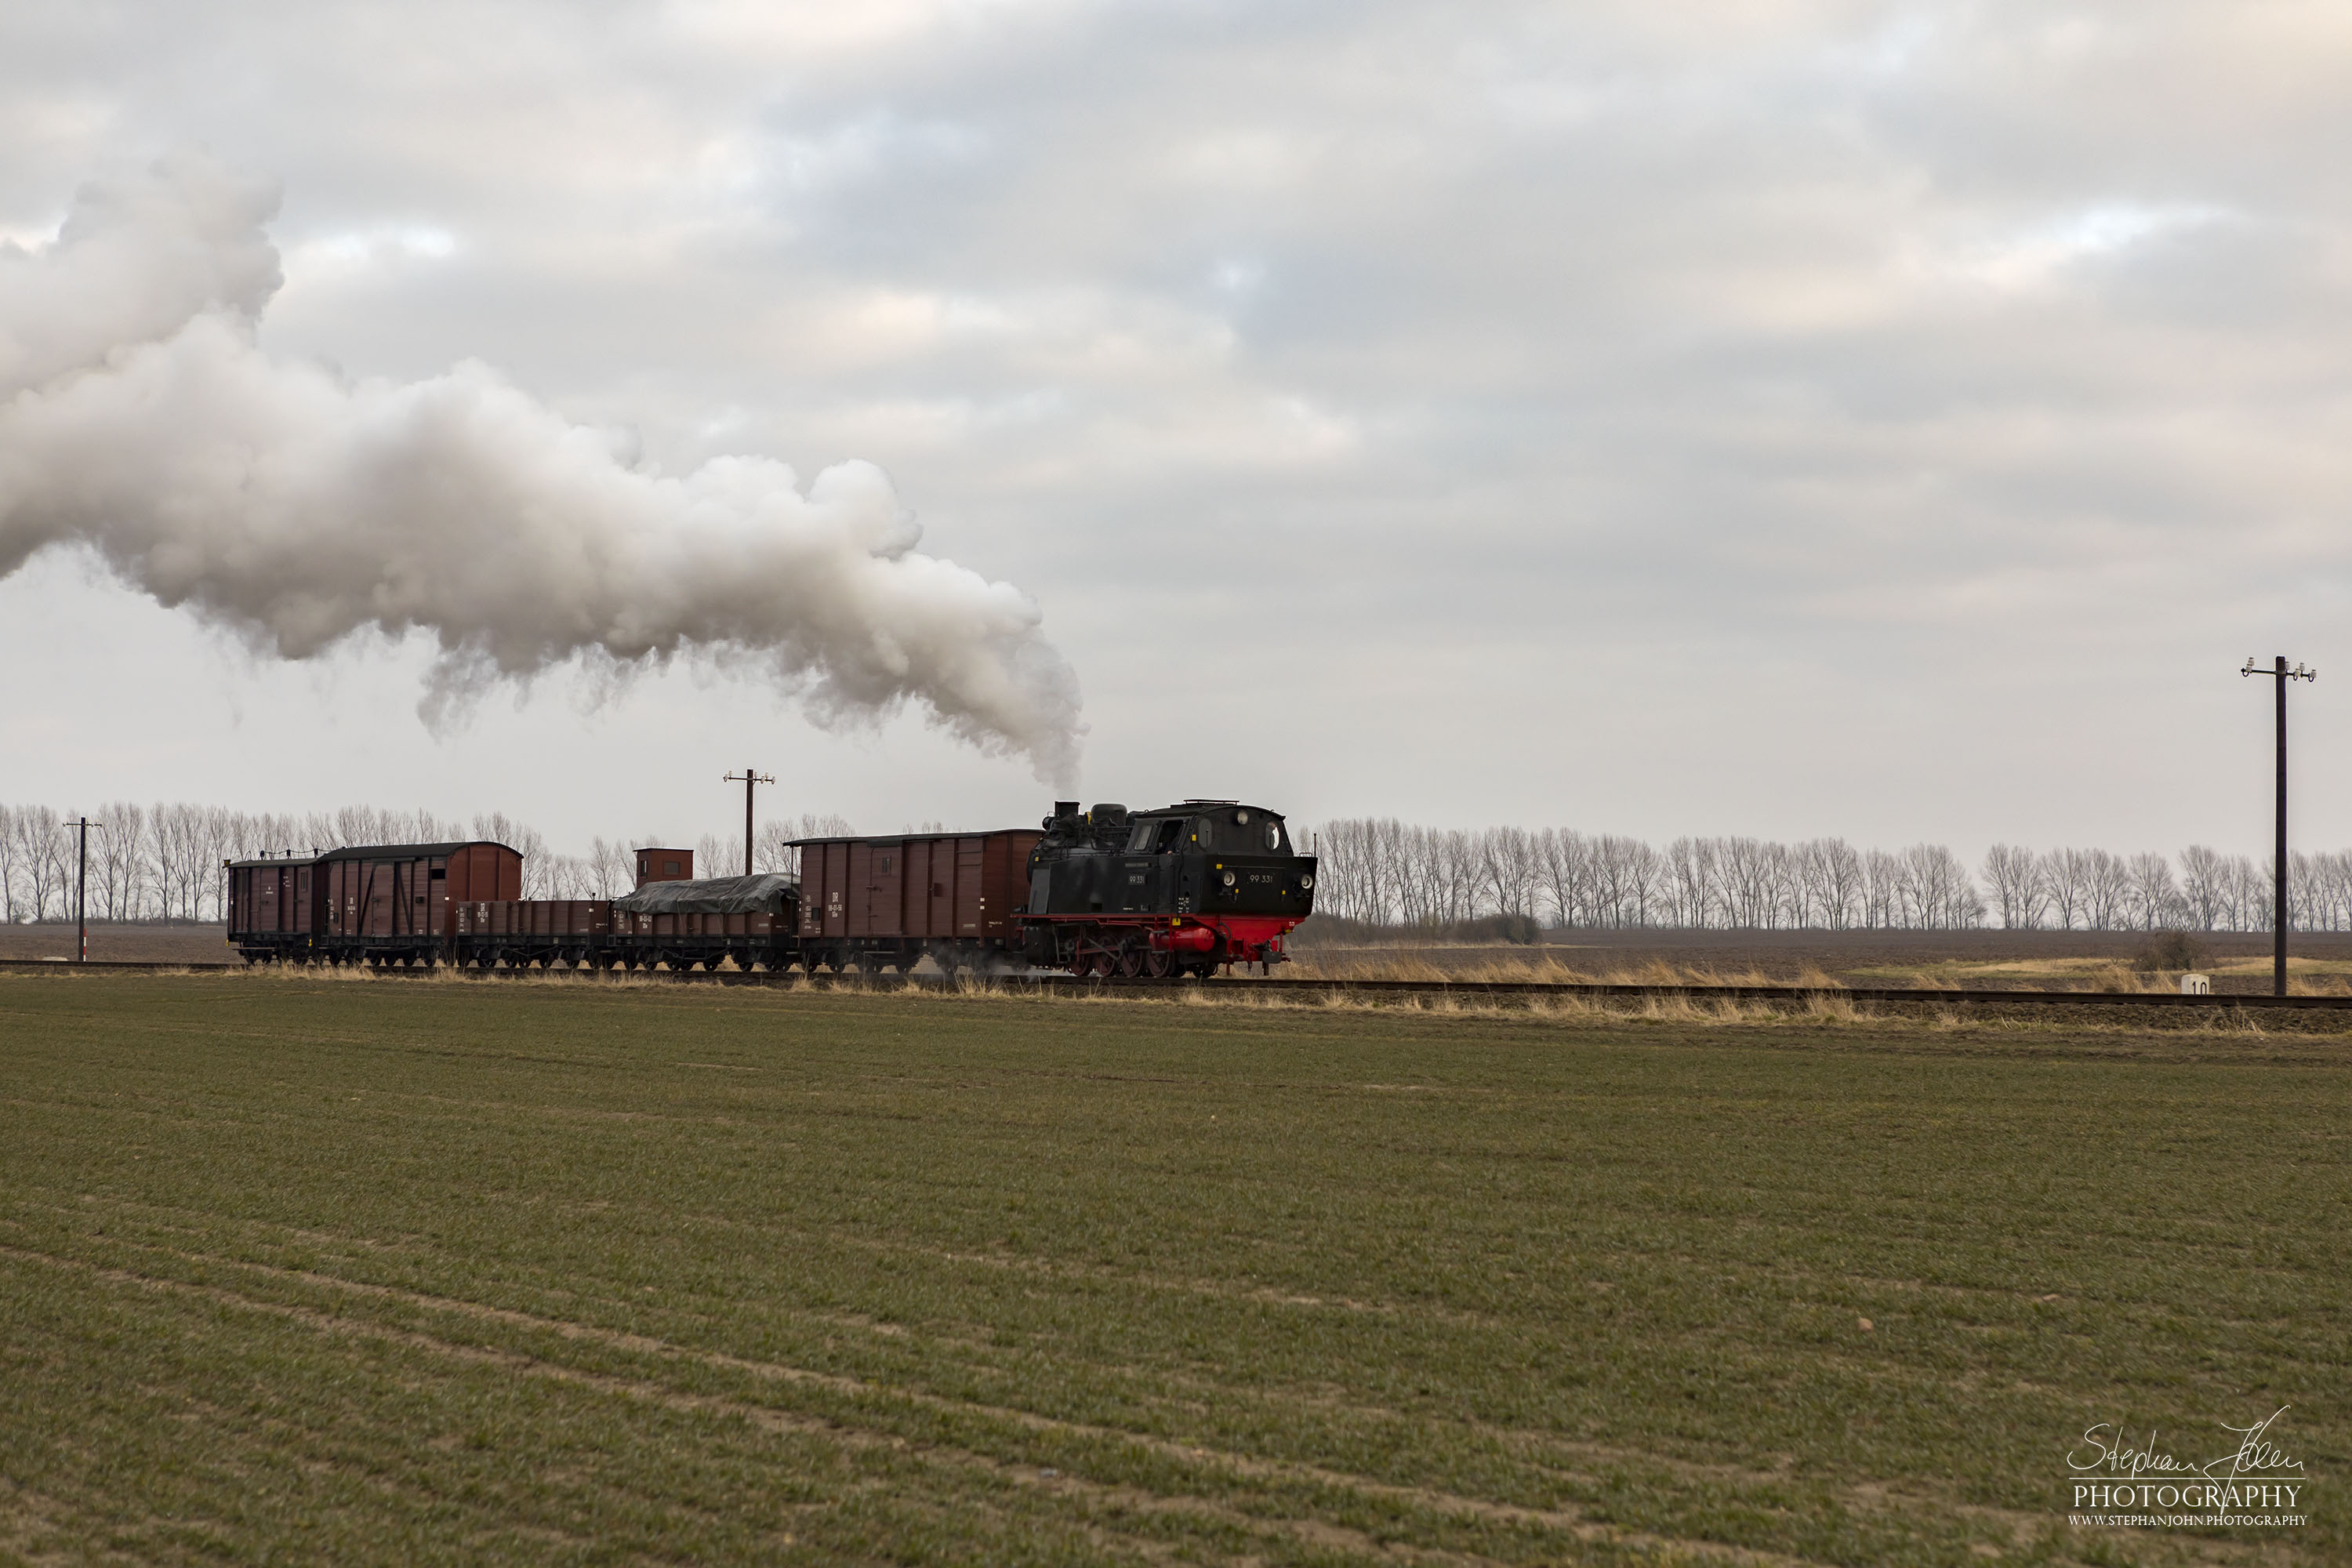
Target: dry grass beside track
(2306, 977)
(1823, 1006)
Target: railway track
(1465, 989)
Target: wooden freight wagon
(753, 920)
(391, 904)
(884, 903)
(270, 908)
(526, 931)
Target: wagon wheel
(1130, 960)
(1158, 964)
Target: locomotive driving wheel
(1158, 964)
(1132, 958)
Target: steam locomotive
(1179, 889)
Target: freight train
(1183, 890)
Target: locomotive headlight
(1229, 878)
(1307, 882)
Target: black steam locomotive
(1179, 890)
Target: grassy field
(380, 1272)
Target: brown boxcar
(884, 903)
(394, 902)
(271, 910)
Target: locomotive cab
(1179, 889)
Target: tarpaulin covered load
(710, 895)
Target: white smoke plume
(298, 508)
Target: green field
(383, 1271)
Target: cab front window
(1241, 832)
(1157, 836)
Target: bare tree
(716, 857)
(1938, 891)
(2331, 906)
(2152, 900)
(170, 832)
(1629, 877)
(2106, 890)
(2064, 873)
(1886, 903)
(1509, 869)
(2013, 877)
(2303, 891)
(2204, 887)
(1746, 882)
(610, 872)
(120, 859)
(1685, 889)
(216, 837)
(1566, 861)
(8, 865)
(2249, 894)
(36, 833)
(1832, 873)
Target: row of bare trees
(1388, 872)
(163, 861)
(2094, 889)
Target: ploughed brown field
(142, 941)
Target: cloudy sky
(1891, 420)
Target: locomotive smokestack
(138, 416)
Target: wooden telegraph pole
(2281, 674)
(81, 891)
(751, 780)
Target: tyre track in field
(766, 1418)
(1315, 1533)
(1564, 1457)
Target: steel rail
(1797, 995)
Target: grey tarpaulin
(710, 895)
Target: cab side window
(1141, 840)
(1172, 836)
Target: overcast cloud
(1888, 420)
